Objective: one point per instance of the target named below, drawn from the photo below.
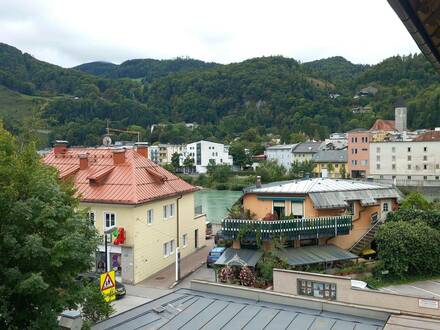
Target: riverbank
(234, 182)
(215, 203)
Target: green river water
(216, 202)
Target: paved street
(423, 289)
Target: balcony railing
(293, 229)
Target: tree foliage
(45, 242)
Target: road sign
(108, 285)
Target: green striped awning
(315, 254)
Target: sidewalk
(167, 276)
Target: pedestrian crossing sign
(108, 286)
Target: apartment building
(417, 160)
(330, 164)
(304, 151)
(281, 153)
(358, 152)
(166, 152)
(122, 188)
(203, 152)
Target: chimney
(83, 161)
(142, 148)
(258, 183)
(60, 147)
(118, 156)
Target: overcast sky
(72, 32)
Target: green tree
(415, 200)
(330, 168)
(298, 137)
(219, 173)
(270, 171)
(175, 160)
(408, 248)
(44, 240)
(299, 170)
(239, 155)
(95, 308)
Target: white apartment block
(204, 151)
(405, 160)
(282, 154)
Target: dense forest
(250, 101)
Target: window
(366, 139)
(393, 177)
(91, 217)
(377, 166)
(168, 211)
(393, 149)
(109, 220)
(425, 177)
(425, 149)
(150, 216)
(409, 158)
(425, 167)
(394, 158)
(378, 158)
(409, 149)
(317, 289)
(378, 150)
(425, 157)
(168, 248)
(355, 151)
(297, 210)
(279, 208)
(437, 166)
(356, 139)
(409, 166)
(185, 240)
(394, 166)
(409, 177)
(437, 177)
(385, 207)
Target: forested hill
(145, 69)
(246, 100)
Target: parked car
(95, 278)
(214, 255)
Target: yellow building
(123, 189)
(331, 164)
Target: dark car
(95, 278)
(214, 254)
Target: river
(216, 202)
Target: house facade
(358, 152)
(166, 152)
(315, 211)
(202, 152)
(330, 164)
(122, 188)
(281, 153)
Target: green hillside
(250, 100)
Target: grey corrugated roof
(233, 257)
(315, 254)
(189, 310)
(282, 147)
(330, 156)
(307, 147)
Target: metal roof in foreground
(191, 309)
(422, 20)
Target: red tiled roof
(135, 181)
(383, 125)
(428, 136)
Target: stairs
(365, 240)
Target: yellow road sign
(108, 286)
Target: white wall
(393, 161)
(283, 156)
(208, 150)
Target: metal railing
(293, 229)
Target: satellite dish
(107, 141)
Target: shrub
(221, 186)
(226, 274)
(408, 248)
(237, 187)
(266, 265)
(247, 276)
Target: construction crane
(107, 140)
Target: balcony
(293, 229)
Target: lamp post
(107, 231)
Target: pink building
(358, 152)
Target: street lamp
(106, 232)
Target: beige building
(407, 161)
(125, 190)
(166, 152)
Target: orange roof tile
(137, 180)
(383, 125)
(428, 136)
